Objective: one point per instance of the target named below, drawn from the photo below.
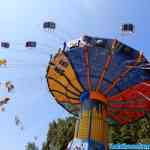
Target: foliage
(31, 146)
(61, 132)
(138, 132)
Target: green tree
(31, 146)
(60, 133)
(137, 132)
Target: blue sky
(21, 20)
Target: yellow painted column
(92, 125)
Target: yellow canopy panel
(62, 80)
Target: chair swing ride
(100, 81)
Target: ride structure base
(91, 127)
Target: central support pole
(91, 127)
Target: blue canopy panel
(97, 60)
(121, 58)
(76, 58)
